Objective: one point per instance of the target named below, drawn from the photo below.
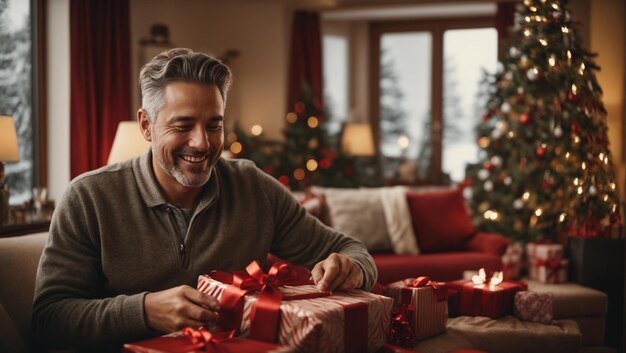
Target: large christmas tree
(546, 168)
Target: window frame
(437, 29)
(39, 47)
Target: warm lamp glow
(128, 143)
(357, 139)
(8, 140)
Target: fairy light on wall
(292, 117)
(256, 130)
(311, 165)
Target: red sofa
(447, 241)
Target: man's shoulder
(104, 176)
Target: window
(21, 88)
(335, 51)
(425, 89)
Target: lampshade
(8, 140)
(128, 143)
(357, 139)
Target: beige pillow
(358, 213)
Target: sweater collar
(151, 192)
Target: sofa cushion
(440, 220)
(358, 213)
(440, 266)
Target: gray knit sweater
(113, 239)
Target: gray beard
(198, 181)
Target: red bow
(265, 314)
(401, 333)
(424, 281)
(553, 266)
(207, 339)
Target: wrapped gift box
(494, 301)
(549, 271)
(534, 306)
(429, 305)
(186, 342)
(512, 262)
(346, 321)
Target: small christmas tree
(309, 155)
(546, 168)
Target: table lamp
(128, 142)
(8, 153)
(357, 139)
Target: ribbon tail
(231, 308)
(265, 315)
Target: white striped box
(430, 315)
(316, 325)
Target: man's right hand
(175, 308)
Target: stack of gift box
(282, 311)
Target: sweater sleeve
(302, 239)
(71, 309)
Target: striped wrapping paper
(430, 315)
(316, 325)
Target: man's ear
(145, 124)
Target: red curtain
(306, 58)
(504, 21)
(100, 79)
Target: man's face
(187, 135)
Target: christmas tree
(308, 156)
(545, 165)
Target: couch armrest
(489, 243)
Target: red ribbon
(401, 333)
(355, 327)
(207, 340)
(487, 301)
(553, 266)
(424, 281)
(265, 314)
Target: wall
(259, 30)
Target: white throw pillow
(358, 213)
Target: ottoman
(504, 335)
(586, 306)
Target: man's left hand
(337, 272)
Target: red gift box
(191, 341)
(423, 304)
(494, 301)
(302, 317)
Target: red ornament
(575, 128)
(572, 97)
(283, 179)
(547, 185)
(521, 99)
(486, 116)
(488, 165)
(540, 151)
(325, 163)
(525, 119)
(299, 107)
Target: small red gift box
(196, 341)
(425, 304)
(494, 301)
(280, 307)
(549, 271)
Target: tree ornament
(488, 165)
(488, 185)
(518, 204)
(299, 107)
(485, 116)
(483, 174)
(496, 161)
(572, 97)
(558, 132)
(525, 119)
(507, 181)
(593, 190)
(575, 128)
(540, 151)
(547, 185)
(505, 107)
(533, 74)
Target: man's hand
(175, 308)
(337, 272)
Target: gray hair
(182, 65)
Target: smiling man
(128, 241)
